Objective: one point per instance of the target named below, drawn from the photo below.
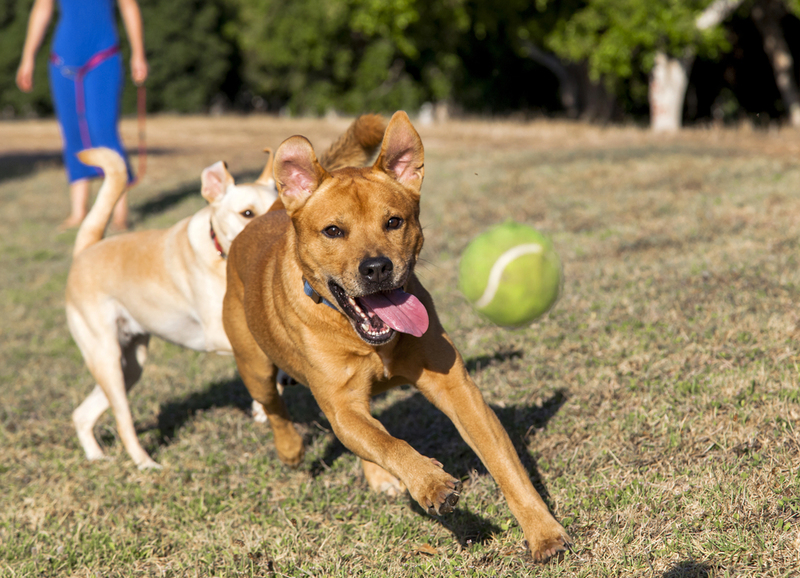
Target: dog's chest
(385, 360)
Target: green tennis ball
(510, 274)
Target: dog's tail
(114, 184)
(357, 145)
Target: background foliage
(350, 56)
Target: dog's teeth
(352, 301)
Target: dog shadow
(18, 165)
(688, 569)
(413, 419)
(163, 202)
(173, 415)
(168, 199)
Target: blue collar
(316, 297)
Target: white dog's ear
(215, 180)
(297, 172)
(266, 175)
(402, 155)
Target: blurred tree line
(583, 58)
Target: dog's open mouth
(377, 316)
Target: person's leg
(79, 203)
(78, 174)
(119, 218)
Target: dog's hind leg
(87, 413)
(114, 355)
(259, 375)
(283, 380)
(85, 416)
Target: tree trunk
(668, 82)
(567, 87)
(767, 16)
(670, 76)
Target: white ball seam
(499, 266)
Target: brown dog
(326, 290)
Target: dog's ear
(215, 179)
(402, 155)
(266, 174)
(297, 172)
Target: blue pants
(93, 122)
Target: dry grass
(657, 406)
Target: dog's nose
(376, 269)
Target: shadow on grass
(688, 569)
(432, 434)
(479, 362)
(174, 414)
(413, 419)
(17, 165)
(468, 528)
(168, 199)
(164, 201)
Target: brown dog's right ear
(215, 180)
(297, 172)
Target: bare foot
(120, 227)
(70, 222)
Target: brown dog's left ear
(266, 175)
(297, 172)
(402, 155)
(215, 179)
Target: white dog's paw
(259, 415)
(95, 455)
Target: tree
(313, 56)
(623, 39)
(188, 53)
(515, 31)
(767, 15)
(13, 26)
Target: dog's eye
(394, 223)
(248, 214)
(332, 232)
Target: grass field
(657, 407)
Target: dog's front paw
(289, 444)
(440, 491)
(545, 547)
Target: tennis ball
(510, 274)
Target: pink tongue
(399, 310)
